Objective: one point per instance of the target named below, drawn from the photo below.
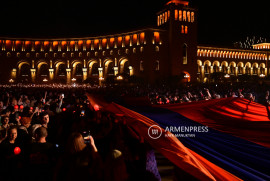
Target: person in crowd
(40, 155)
(81, 162)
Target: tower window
(188, 16)
(182, 29)
(186, 29)
(185, 54)
(192, 17)
(176, 14)
(184, 16)
(180, 15)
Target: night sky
(220, 22)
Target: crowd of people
(52, 133)
(55, 135)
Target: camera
(86, 136)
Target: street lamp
(262, 75)
(119, 77)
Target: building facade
(169, 49)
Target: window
(127, 51)
(63, 55)
(176, 14)
(72, 55)
(185, 54)
(111, 52)
(180, 15)
(28, 55)
(80, 54)
(188, 16)
(184, 16)
(182, 29)
(134, 50)
(157, 48)
(186, 29)
(37, 55)
(141, 49)
(18, 54)
(192, 17)
(88, 54)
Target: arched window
(215, 68)
(240, 70)
(185, 47)
(224, 69)
(206, 69)
(232, 69)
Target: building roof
(178, 2)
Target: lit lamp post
(119, 77)
(11, 80)
(262, 76)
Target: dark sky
(220, 22)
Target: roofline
(232, 49)
(86, 38)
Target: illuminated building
(170, 49)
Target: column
(100, 75)
(68, 46)
(131, 72)
(84, 45)
(51, 46)
(4, 45)
(211, 69)
(123, 41)
(33, 46)
(68, 75)
(59, 46)
(236, 71)
(202, 73)
(33, 74)
(115, 70)
(84, 73)
(51, 74)
(84, 70)
(14, 74)
(251, 71)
